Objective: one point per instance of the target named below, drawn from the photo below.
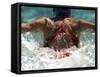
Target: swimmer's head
(61, 12)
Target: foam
(36, 57)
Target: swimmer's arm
(87, 24)
(25, 27)
(37, 24)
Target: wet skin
(59, 34)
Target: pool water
(36, 57)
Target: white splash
(36, 57)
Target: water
(35, 57)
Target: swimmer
(58, 34)
(61, 33)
